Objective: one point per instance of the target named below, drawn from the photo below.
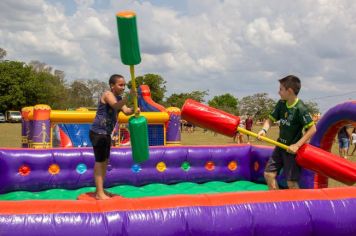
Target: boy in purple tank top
(109, 105)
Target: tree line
(34, 83)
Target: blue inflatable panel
(78, 134)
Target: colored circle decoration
(232, 165)
(24, 170)
(210, 166)
(185, 166)
(256, 166)
(54, 169)
(136, 168)
(81, 168)
(161, 166)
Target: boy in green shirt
(293, 117)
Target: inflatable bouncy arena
(180, 190)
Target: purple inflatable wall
(122, 170)
(293, 218)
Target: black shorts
(101, 145)
(282, 159)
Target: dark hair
(114, 78)
(292, 82)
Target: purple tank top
(105, 118)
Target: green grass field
(10, 134)
(11, 137)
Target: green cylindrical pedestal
(139, 138)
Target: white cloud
(92, 27)
(319, 84)
(248, 45)
(84, 3)
(260, 34)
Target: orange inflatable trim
(87, 203)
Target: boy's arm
(310, 132)
(266, 125)
(129, 111)
(110, 99)
(349, 135)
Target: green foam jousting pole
(130, 55)
(129, 47)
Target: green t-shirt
(292, 119)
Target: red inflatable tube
(210, 118)
(327, 164)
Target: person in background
(239, 137)
(190, 127)
(353, 140)
(110, 103)
(293, 117)
(248, 124)
(343, 138)
(182, 125)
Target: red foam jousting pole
(308, 156)
(326, 163)
(210, 118)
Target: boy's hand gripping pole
(268, 140)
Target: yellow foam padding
(152, 117)
(42, 107)
(27, 109)
(61, 116)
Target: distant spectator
(353, 139)
(344, 141)
(248, 124)
(238, 137)
(190, 127)
(182, 125)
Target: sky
(223, 46)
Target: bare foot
(109, 194)
(101, 196)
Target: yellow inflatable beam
(152, 117)
(60, 116)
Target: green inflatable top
(128, 191)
